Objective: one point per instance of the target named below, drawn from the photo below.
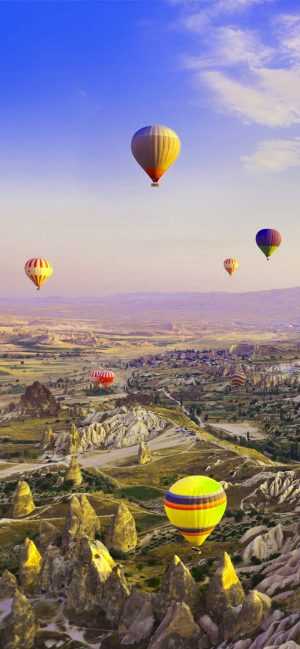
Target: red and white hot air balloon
(105, 378)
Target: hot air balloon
(105, 378)
(155, 148)
(38, 270)
(231, 265)
(238, 379)
(195, 505)
(268, 241)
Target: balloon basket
(154, 184)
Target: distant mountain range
(279, 307)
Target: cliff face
(38, 401)
(22, 500)
(122, 536)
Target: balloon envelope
(231, 265)
(102, 377)
(155, 148)
(238, 379)
(195, 505)
(38, 270)
(268, 240)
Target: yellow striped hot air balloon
(231, 265)
(195, 505)
(155, 148)
(38, 270)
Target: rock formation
(92, 566)
(38, 401)
(30, 566)
(73, 473)
(48, 440)
(20, 627)
(177, 585)
(282, 488)
(243, 622)
(177, 630)
(115, 593)
(54, 570)
(117, 428)
(49, 534)
(22, 500)
(144, 454)
(8, 584)
(121, 535)
(265, 545)
(137, 621)
(81, 520)
(225, 589)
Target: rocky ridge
(118, 428)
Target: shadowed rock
(177, 630)
(243, 622)
(38, 401)
(8, 585)
(137, 621)
(81, 520)
(121, 535)
(177, 585)
(225, 589)
(91, 568)
(20, 626)
(53, 572)
(30, 566)
(23, 503)
(49, 534)
(115, 593)
(73, 473)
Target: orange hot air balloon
(102, 377)
(38, 270)
(231, 265)
(155, 148)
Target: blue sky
(78, 78)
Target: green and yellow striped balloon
(195, 505)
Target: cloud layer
(256, 81)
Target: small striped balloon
(195, 505)
(38, 270)
(102, 377)
(238, 379)
(231, 265)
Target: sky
(78, 78)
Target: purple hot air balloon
(268, 240)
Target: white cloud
(274, 156)
(209, 10)
(288, 32)
(271, 97)
(229, 46)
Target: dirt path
(171, 438)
